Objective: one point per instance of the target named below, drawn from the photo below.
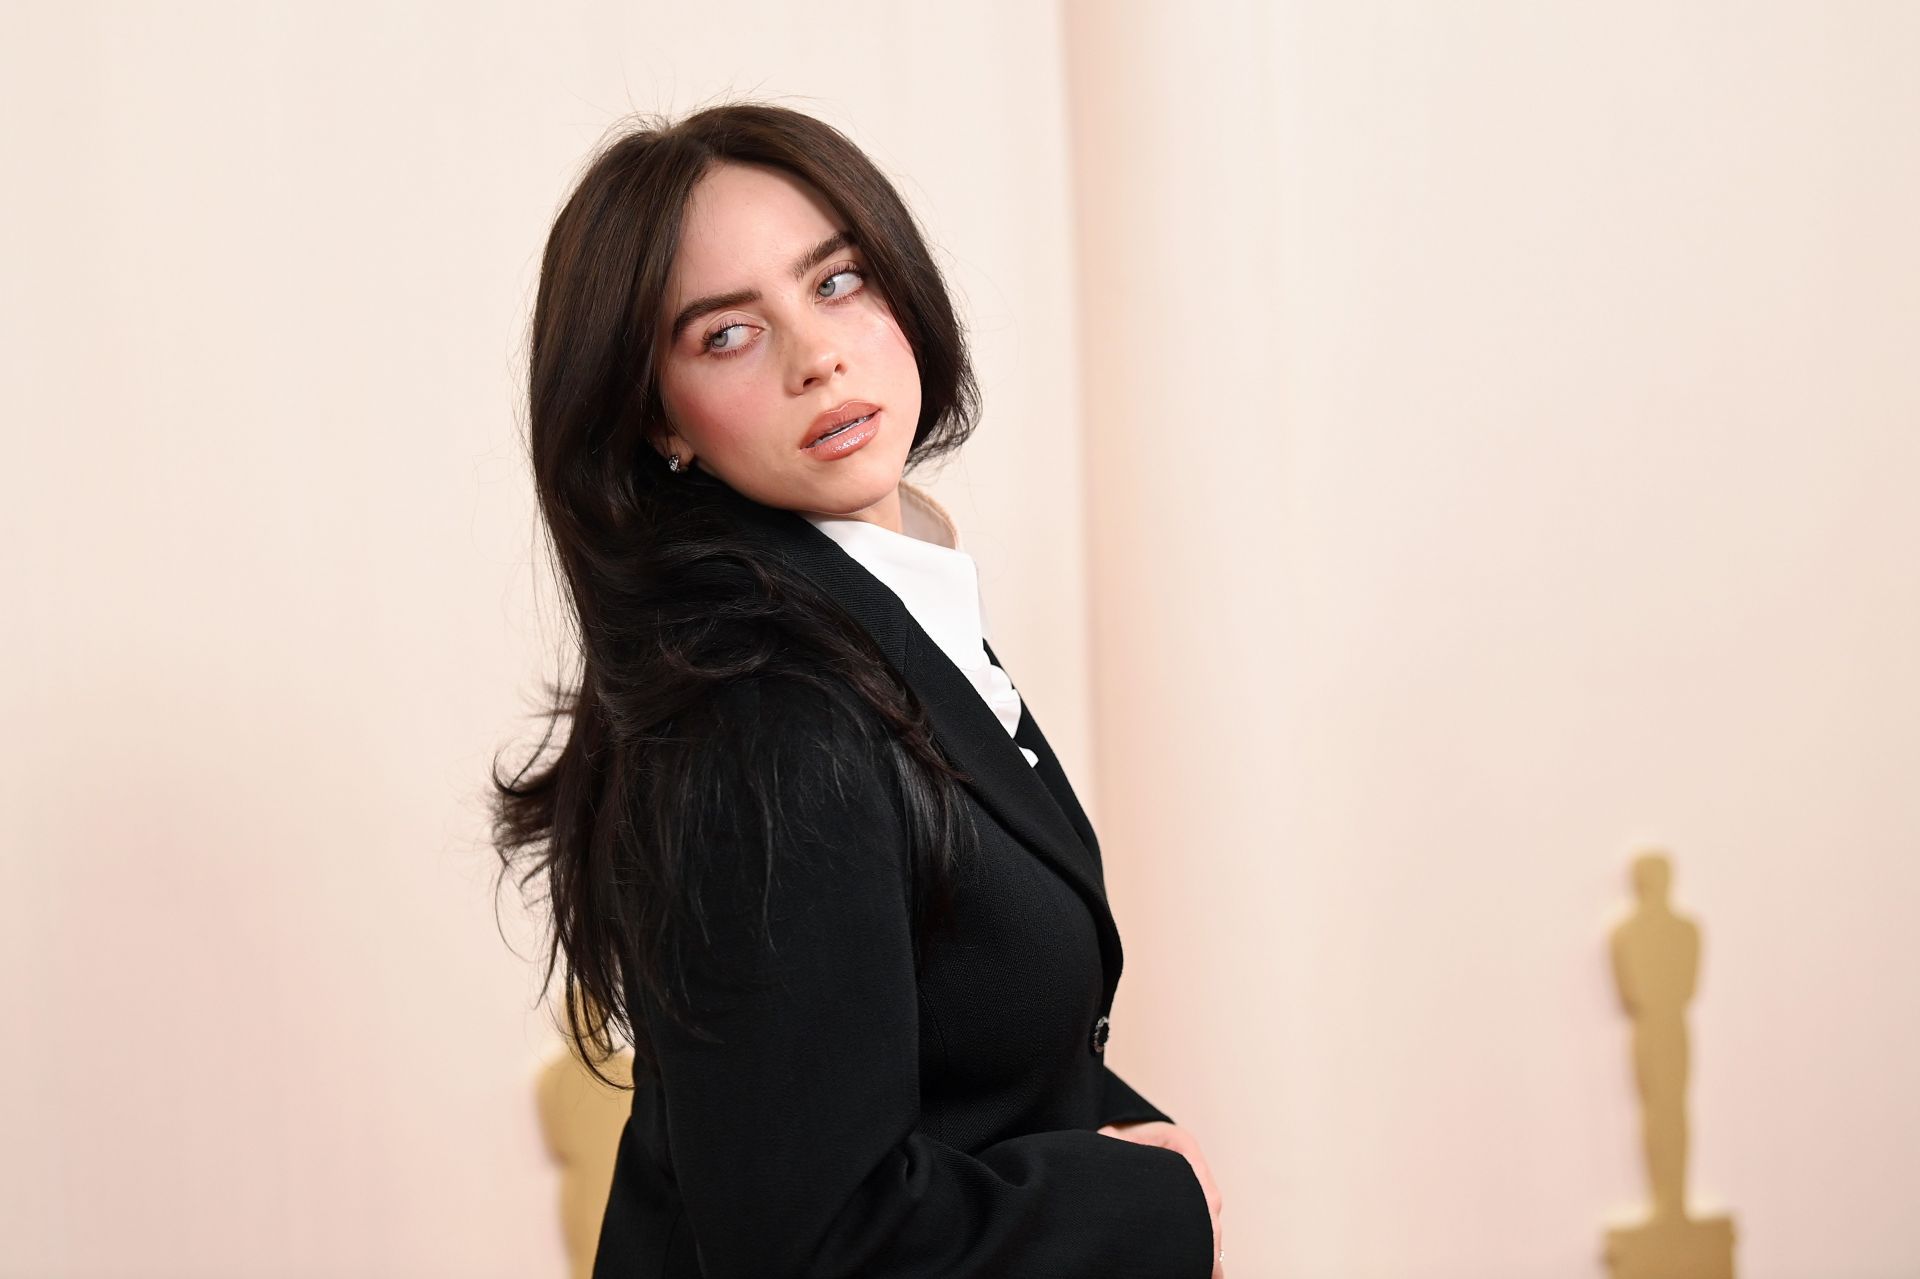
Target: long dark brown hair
(672, 606)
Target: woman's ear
(669, 446)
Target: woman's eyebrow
(739, 297)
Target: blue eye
(848, 268)
(706, 343)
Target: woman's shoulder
(794, 739)
(781, 708)
(782, 770)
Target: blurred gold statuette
(581, 1121)
(1656, 961)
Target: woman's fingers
(1184, 1142)
(1174, 1137)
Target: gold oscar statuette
(1656, 962)
(580, 1124)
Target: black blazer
(860, 1121)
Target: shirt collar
(924, 565)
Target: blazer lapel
(1033, 802)
(1051, 773)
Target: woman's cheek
(881, 335)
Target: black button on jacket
(857, 1120)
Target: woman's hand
(1174, 1137)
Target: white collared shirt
(940, 585)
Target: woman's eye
(855, 272)
(708, 343)
(713, 346)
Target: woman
(805, 848)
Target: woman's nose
(815, 356)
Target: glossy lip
(851, 440)
(837, 416)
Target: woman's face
(744, 381)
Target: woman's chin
(852, 488)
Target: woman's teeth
(843, 426)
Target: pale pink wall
(1501, 451)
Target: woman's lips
(846, 439)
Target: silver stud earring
(673, 462)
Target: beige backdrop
(1431, 448)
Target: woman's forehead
(747, 220)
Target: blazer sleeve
(794, 1133)
(1120, 1104)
